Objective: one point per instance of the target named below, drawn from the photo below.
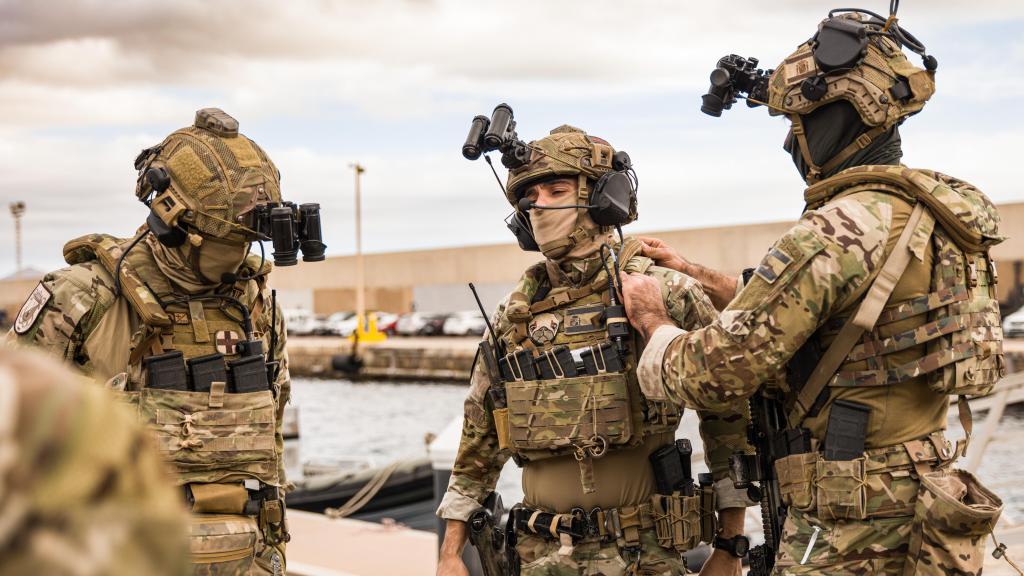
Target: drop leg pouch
(953, 515)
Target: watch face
(741, 545)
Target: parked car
(387, 322)
(1013, 324)
(467, 323)
(433, 325)
(341, 323)
(320, 326)
(410, 324)
(299, 321)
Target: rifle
(488, 537)
(771, 440)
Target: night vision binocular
(497, 133)
(291, 228)
(735, 74)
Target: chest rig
(570, 389)
(197, 374)
(957, 323)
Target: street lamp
(360, 280)
(17, 210)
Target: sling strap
(865, 317)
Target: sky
(393, 85)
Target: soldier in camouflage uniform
(549, 423)
(82, 491)
(187, 289)
(863, 318)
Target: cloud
(84, 84)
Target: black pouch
(249, 374)
(166, 371)
(671, 464)
(847, 431)
(518, 366)
(601, 359)
(206, 370)
(557, 363)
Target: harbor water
(380, 422)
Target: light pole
(17, 210)
(360, 279)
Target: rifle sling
(863, 319)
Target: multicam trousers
(813, 546)
(539, 557)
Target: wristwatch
(738, 545)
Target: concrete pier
(435, 358)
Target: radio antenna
(497, 345)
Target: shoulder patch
(776, 262)
(31, 309)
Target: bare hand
(451, 566)
(645, 307)
(721, 563)
(662, 254)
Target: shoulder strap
(108, 251)
(865, 317)
(631, 248)
(916, 182)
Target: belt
(604, 524)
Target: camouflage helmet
(217, 176)
(566, 151)
(882, 86)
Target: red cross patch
(227, 342)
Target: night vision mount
(497, 133)
(840, 44)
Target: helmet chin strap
(814, 172)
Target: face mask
(213, 259)
(551, 228)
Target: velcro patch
(773, 265)
(227, 342)
(584, 319)
(31, 309)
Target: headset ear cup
(172, 237)
(613, 200)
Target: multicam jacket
(938, 335)
(479, 460)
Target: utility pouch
(205, 370)
(677, 520)
(708, 507)
(671, 464)
(166, 371)
(223, 543)
(796, 478)
(847, 431)
(249, 374)
(217, 498)
(953, 515)
(601, 358)
(840, 489)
